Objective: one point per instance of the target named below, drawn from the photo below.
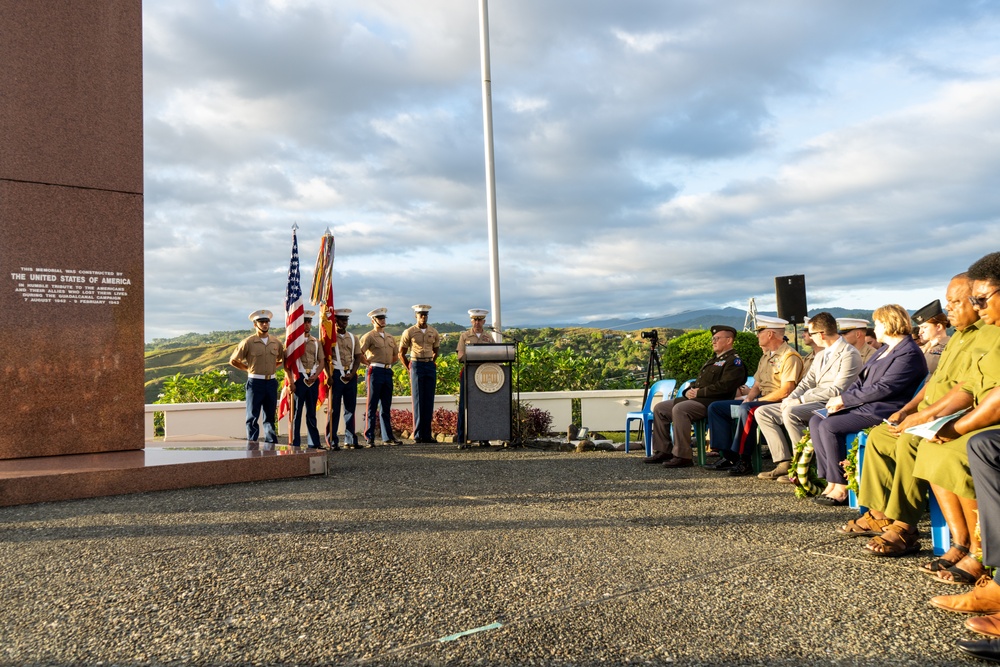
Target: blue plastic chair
(645, 417)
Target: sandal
(875, 526)
(904, 544)
(959, 577)
(939, 564)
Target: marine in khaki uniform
(260, 355)
(855, 332)
(778, 372)
(718, 379)
(380, 353)
(422, 342)
(306, 388)
(474, 336)
(343, 380)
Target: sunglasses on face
(980, 301)
(264, 321)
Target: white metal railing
(600, 411)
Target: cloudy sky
(652, 156)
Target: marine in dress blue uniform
(343, 381)
(260, 355)
(423, 343)
(380, 352)
(306, 388)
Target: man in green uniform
(717, 380)
(888, 488)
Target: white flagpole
(491, 185)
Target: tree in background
(685, 355)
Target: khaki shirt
(311, 361)
(259, 358)
(932, 353)
(470, 337)
(807, 361)
(378, 348)
(984, 369)
(420, 345)
(953, 364)
(347, 348)
(866, 351)
(775, 368)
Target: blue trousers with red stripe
(378, 383)
(738, 443)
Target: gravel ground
(550, 558)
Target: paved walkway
(545, 558)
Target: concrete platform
(180, 465)
(427, 555)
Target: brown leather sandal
(855, 529)
(904, 544)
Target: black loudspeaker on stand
(791, 295)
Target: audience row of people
(948, 386)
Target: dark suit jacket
(887, 382)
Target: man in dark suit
(718, 379)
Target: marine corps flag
(322, 295)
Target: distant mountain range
(701, 319)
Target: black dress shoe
(369, 443)
(741, 469)
(658, 457)
(722, 464)
(984, 649)
(827, 501)
(676, 462)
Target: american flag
(295, 324)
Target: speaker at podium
(488, 386)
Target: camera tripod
(654, 360)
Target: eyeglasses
(980, 301)
(814, 333)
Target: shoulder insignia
(737, 362)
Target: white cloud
(651, 157)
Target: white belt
(258, 376)
(378, 365)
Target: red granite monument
(71, 258)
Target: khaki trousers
(887, 481)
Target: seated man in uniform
(779, 370)
(944, 462)
(835, 368)
(718, 379)
(888, 488)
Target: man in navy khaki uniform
(343, 381)
(380, 352)
(422, 342)
(718, 380)
(260, 355)
(306, 387)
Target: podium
(488, 386)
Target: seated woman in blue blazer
(886, 383)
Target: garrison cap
(723, 327)
(928, 312)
